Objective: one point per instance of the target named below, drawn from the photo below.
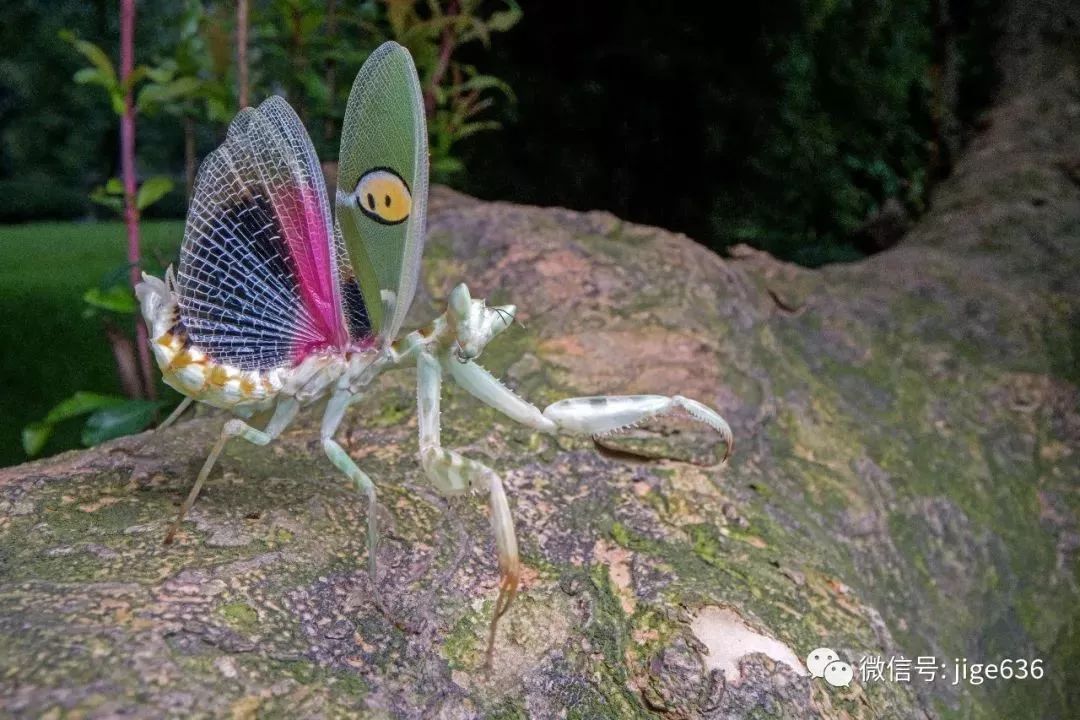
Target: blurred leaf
(117, 100)
(468, 129)
(81, 403)
(117, 298)
(447, 165)
(125, 418)
(102, 72)
(485, 82)
(136, 76)
(102, 197)
(218, 110)
(156, 95)
(91, 76)
(505, 19)
(153, 190)
(34, 437)
(114, 186)
(162, 73)
(398, 12)
(97, 57)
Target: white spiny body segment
(191, 371)
(276, 305)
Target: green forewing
(384, 128)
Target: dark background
(787, 125)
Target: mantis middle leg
(335, 411)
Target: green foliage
(194, 79)
(851, 131)
(115, 298)
(51, 349)
(107, 417)
(111, 297)
(313, 54)
(55, 135)
(59, 139)
(458, 96)
(125, 418)
(111, 194)
(101, 71)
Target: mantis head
(473, 323)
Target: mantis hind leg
(176, 413)
(283, 415)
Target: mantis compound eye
(462, 355)
(460, 302)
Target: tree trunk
(944, 84)
(127, 366)
(904, 484)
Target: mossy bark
(905, 483)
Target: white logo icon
(838, 674)
(818, 660)
(825, 663)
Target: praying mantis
(276, 305)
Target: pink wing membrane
(304, 212)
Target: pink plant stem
(241, 53)
(127, 169)
(446, 49)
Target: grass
(50, 349)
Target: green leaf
(126, 418)
(505, 19)
(485, 82)
(91, 76)
(117, 298)
(97, 57)
(447, 166)
(110, 201)
(114, 186)
(34, 437)
(117, 99)
(80, 403)
(161, 74)
(474, 127)
(218, 110)
(136, 76)
(153, 190)
(153, 96)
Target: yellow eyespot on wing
(383, 196)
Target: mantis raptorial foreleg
(583, 415)
(453, 474)
(335, 411)
(283, 415)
